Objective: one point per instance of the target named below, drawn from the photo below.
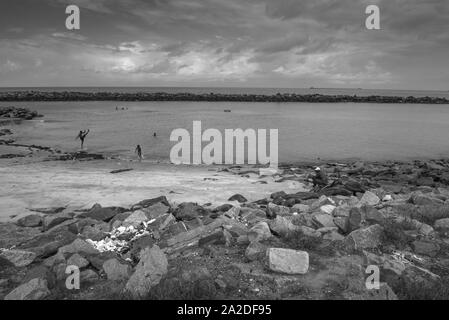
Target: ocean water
(334, 131)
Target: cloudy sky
(245, 43)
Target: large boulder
(189, 211)
(366, 238)
(238, 198)
(13, 235)
(103, 214)
(150, 202)
(442, 224)
(426, 247)
(34, 289)
(156, 210)
(135, 219)
(321, 220)
(47, 244)
(149, 272)
(287, 261)
(51, 221)
(369, 198)
(259, 232)
(116, 271)
(424, 199)
(78, 246)
(255, 251)
(19, 258)
(282, 226)
(30, 221)
(354, 219)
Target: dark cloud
(222, 42)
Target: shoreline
(18, 96)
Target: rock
(238, 198)
(103, 214)
(333, 236)
(196, 274)
(372, 215)
(255, 251)
(220, 237)
(252, 215)
(18, 258)
(35, 289)
(223, 208)
(279, 210)
(189, 211)
(368, 198)
(341, 211)
(423, 200)
(282, 226)
(327, 209)
(287, 261)
(13, 235)
(135, 219)
(96, 232)
(383, 293)
(151, 268)
(279, 194)
(259, 232)
(323, 220)
(116, 271)
(354, 219)
(150, 202)
(47, 244)
(30, 221)
(365, 238)
(156, 210)
(300, 208)
(442, 224)
(342, 223)
(77, 260)
(88, 275)
(78, 246)
(426, 247)
(177, 228)
(53, 220)
(387, 197)
(322, 201)
(232, 213)
(41, 272)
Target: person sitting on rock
(320, 179)
(82, 135)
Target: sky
(226, 43)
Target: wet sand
(26, 185)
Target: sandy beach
(27, 185)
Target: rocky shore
(305, 245)
(17, 113)
(162, 96)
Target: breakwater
(211, 97)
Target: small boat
(227, 110)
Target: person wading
(82, 135)
(139, 152)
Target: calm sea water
(306, 131)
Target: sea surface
(331, 131)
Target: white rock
(287, 261)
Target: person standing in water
(139, 152)
(82, 135)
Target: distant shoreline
(17, 96)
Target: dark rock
(426, 247)
(103, 214)
(30, 221)
(47, 244)
(238, 197)
(189, 211)
(150, 202)
(53, 220)
(223, 208)
(354, 219)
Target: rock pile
(163, 96)
(391, 215)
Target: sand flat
(82, 184)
